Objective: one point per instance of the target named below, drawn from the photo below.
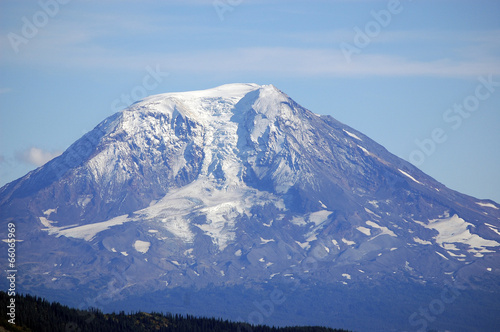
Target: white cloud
(37, 156)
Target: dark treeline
(38, 315)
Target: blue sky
(409, 74)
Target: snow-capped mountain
(239, 186)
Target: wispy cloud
(289, 61)
(73, 42)
(36, 156)
(320, 62)
(5, 90)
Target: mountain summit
(239, 186)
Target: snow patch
(48, 212)
(299, 221)
(493, 228)
(352, 135)
(407, 266)
(456, 230)
(84, 200)
(450, 246)
(365, 151)
(372, 213)
(85, 232)
(304, 245)
(409, 176)
(384, 229)
(270, 223)
(420, 241)
(349, 243)
(487, 205)
(142, 246)
(47, 223)
(189, 253)
(264, 241)
(319, 217)
(364, 230)
(455, 255)
(440, 254)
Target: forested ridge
(39, 315)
